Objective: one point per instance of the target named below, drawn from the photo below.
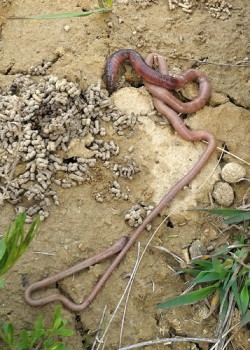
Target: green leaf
(236, 294)
(16, 241)
(245, 319)
(223, 212)
(210, 276)
(39, 328)
(57, 346)
(57, 313)
(244, 298)
(26, 341)
(225, 250)
(65, 332)
(57, 319)
(247, 280)
(9, 332)
(58, 324)
(237, 215)
(2, 248)
(188, 298)
(223, 302)
(190, 271)
(2, 283)
(31, 233)
(243, 272)
(238, 218)
(202, 263)
(217, 265)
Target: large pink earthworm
(115, 248)
(141, 67)
(167, 105)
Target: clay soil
(80, 226)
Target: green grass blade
(244, 272)
(222, 212)
(210, 276)
(217, 265)
(30, 234)
(223, 301)
(238, 218)
(56, 317)
(244, 299)
(203, 263)
(236, 294)
(189, 298)
(9, 333)
(228, 281)
(245, 319)
(225, 250)
(190, 271)
(2, 248)
(65, 332)
(13, 240)
(63, 15)
(16, 241)
(236, 215)
(1, 283)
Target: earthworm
(173, 102)
(167, 105)
(184, 132)
(46, 282)
(141, 67)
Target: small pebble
(233, 172)
(223, 194)
(66, 28)
(197, 249)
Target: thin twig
(229, 153)
(166, 250)
(99, 328)
(44, 253)
(231, 337)
(237, 64)
(102, 339)
(128, 294)
(224, 330)
(240, 261)
(168, 340)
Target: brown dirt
(79, 55)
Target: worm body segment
(46, 282)
(141, 67)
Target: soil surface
(82, 224)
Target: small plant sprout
(224, 276)
(228, 271)
(12, 246)
(15, 241)
(40, 338)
